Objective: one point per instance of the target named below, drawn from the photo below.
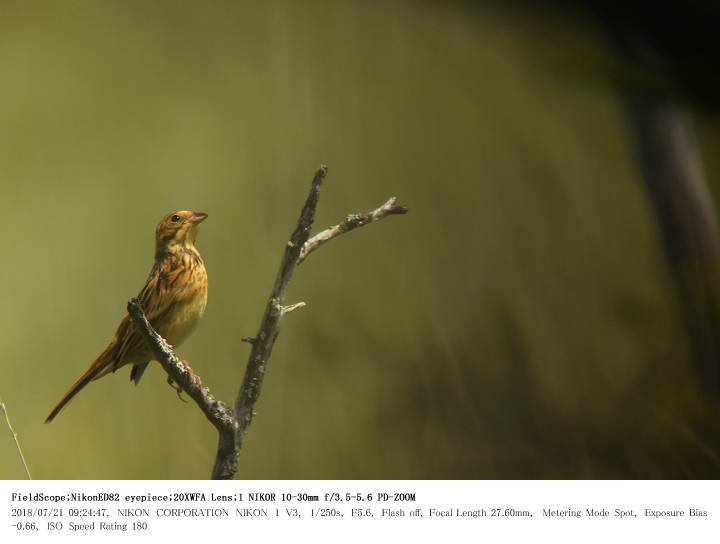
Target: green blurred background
(518, 323)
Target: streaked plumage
(173, 299)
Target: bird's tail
(101, 366)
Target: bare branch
(270, 324)
(217, 412)
(351, 222)
(296, 250)
(15, 438)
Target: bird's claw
(176, 387)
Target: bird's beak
(198, 217)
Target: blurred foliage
(519, 322)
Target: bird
(174, 298)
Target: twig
(287, 309)
(232, 425)
(15, 438)
(351, 222)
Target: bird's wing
(162, 291)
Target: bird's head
(177, 230)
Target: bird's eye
(175, 218)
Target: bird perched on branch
(173, 299)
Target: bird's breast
(188, 308)
(183, 323)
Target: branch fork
(232, 423)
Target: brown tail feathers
(99, 368)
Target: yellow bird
(173, 299)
